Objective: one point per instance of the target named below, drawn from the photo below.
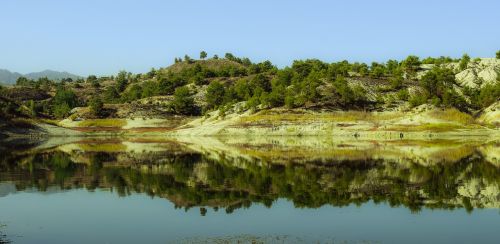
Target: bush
(464, 62)
(437, 81)
(418, 98)
(403, 95)
(183, 103)
(61, 110)
(411, 64)
(96, 106)
(215, 95)
(63, 102)
(396, 82)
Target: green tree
(396, 82)
(215, 94)
(437, 80)
(229, 56)
(464, 62)
(183, 102)
(203, 55)
(411, 64)
(498, 54)
(111, 95)
(63, 102)
(61, 110)
(96, 105)
(23, 81)
(121, 81)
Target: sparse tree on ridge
(203, 55)
(464, 61)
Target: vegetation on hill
(195, 87)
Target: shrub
(418, 98)
(464, 62)
(183, 102)
(96, 106)
(215, 94)
(61, 110)
(403, 94)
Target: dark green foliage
(396, 82)
(63, 102)
(215, 94)
(96, 106)
(183, 102)
(203, 55)
(149, 89)
(464, 62)
(187, 59)
(403, 95)
(360, 68)
(40, 83)
(393, 67)
(438, 61)
(122, 79)
(439, 85)
(377, 70)
(411, 64)
(111, 95)
(345, 95)
(498, 54)
(437, 81)
(61, 110)
(485, 96)
(263, 67)
(23, 81)
(418, 98)
(307, 83)
(168, 83)
(64, 95)
(133, 93)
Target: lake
(249, 190)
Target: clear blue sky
(104, 36)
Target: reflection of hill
(303, 149)
(233, 173)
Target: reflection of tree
(192, 179)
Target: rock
(479, 73)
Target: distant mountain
(51, 74)
(8, 77)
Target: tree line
(306, 83)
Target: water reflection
(234, 173)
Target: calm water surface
(306, 190)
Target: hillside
(231, 95)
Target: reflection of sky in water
(79, 216)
